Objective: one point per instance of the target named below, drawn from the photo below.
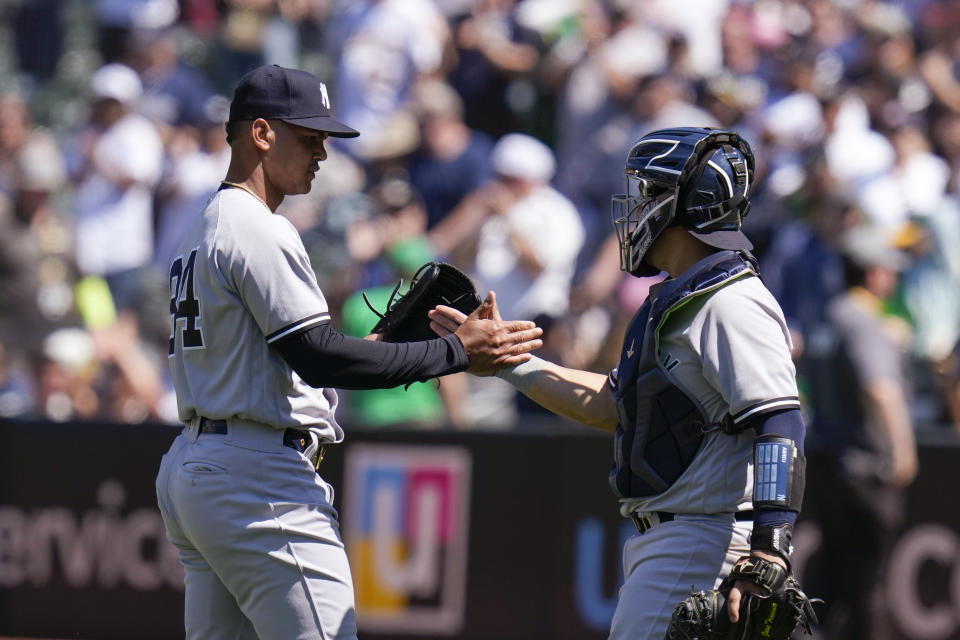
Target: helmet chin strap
(644, 270)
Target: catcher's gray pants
(257, 536)
(661, 565)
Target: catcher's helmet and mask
(697, 178)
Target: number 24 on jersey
(184, 306)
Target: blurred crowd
(493, 133)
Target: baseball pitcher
(254, 362)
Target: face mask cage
(639, 216)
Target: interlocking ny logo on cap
(291, 95)
(323, 95)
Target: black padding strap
(776, 539)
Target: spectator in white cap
(522, 236)
(518, 236)
(116, 162)
(117, 82)
(523, 157)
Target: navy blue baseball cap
(273, 92)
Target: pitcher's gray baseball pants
(258, 538)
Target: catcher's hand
(775, 612)
(435, 283)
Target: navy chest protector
(660, 428)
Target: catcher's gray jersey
(730, 351)
(242, 280)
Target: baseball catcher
(775, 610)
(705, 379)
(434, 283)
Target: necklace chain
(245, 188)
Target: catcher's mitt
(434, 283)
(775, 614)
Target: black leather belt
(292, 438)
(646, 522)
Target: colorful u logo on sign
(406, 520)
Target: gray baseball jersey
(729, 350)
(231, 302)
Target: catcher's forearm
(779, 479)
(581, 396)
(784, 424)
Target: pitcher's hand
(491, 343)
